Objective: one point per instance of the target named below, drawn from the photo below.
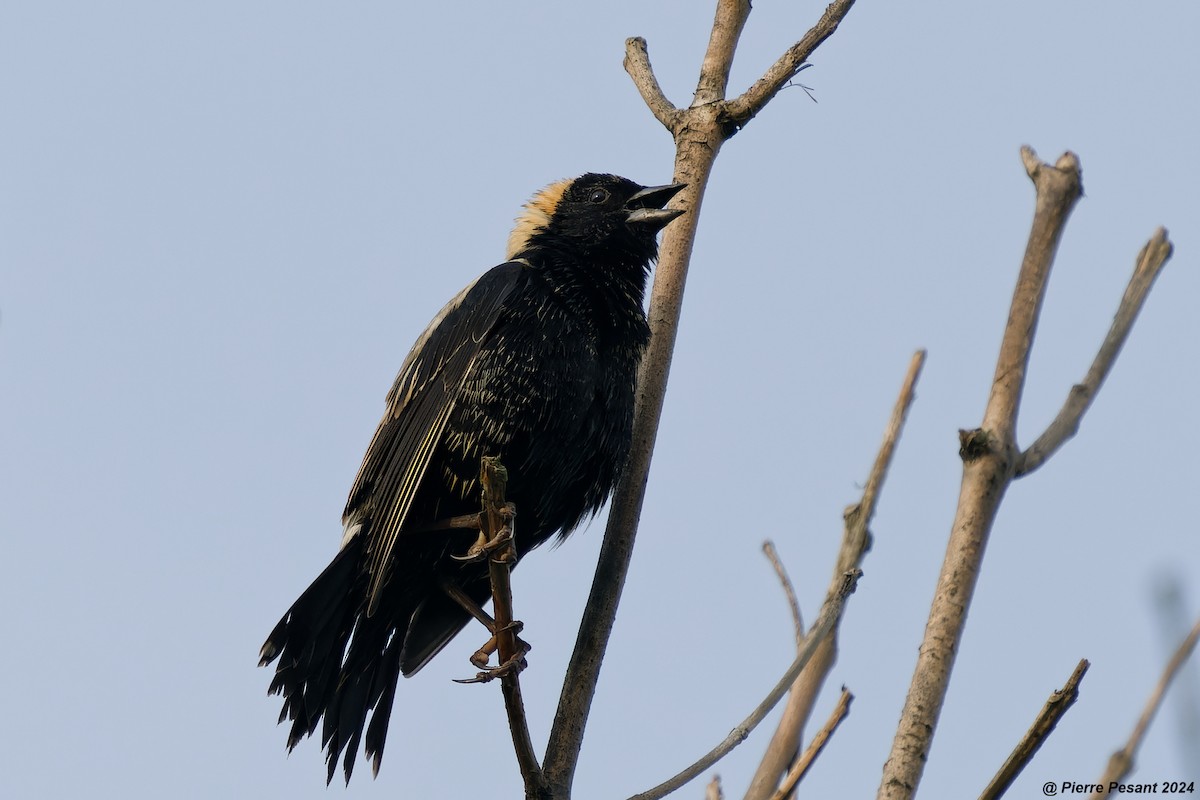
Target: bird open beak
(646, 207)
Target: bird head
(595, 215)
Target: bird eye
(598, 196)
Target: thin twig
(1120, 764)
(804, 762)
(1171, 613)
(713, 790)
(752, 101)
(781, 751)
(784, 744)
(494, 478)
(784, 747)
(864, 512)
(1047, 719)
(831, 611)
(788, 590)
(1150, 263)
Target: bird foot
(512, 666)
(483, 546)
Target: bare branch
(780, 752)
(831, 611)
(1053, 711)
(744, 108)
(637, 64)
(1059, 187)
(699, 132)
(800, 768)
(713, 790)
(1120, 764)
(718, 59)
(989, 454)
(788, 591)
(784, 747)
(494, 478)
(1149, 264)
(1171, 612)
(583, 671)
(864, 512)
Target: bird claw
(512, 666)
(484, 547)
(477, 552)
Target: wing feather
(421, 401)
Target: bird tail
(321, 673)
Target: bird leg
(472, 522)
(456, 593)
(484, 545)
(480, 658)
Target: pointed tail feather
(337, 663)
(309, 642)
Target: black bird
(535, 362)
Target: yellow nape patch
(535, 216)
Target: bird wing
(420, 402)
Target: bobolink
(535, 362)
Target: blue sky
(222, 226)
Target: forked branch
(991, 459)
(856, 539)
(831, 611)
(752, 101)
(699, 131)
(819, 639)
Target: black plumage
(534, 362)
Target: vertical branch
(1058, 189)
(496, 517)
(699, 132)
(992, 459)
(989, 455)
(579, 684)
(718, 58)
(494, 479)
